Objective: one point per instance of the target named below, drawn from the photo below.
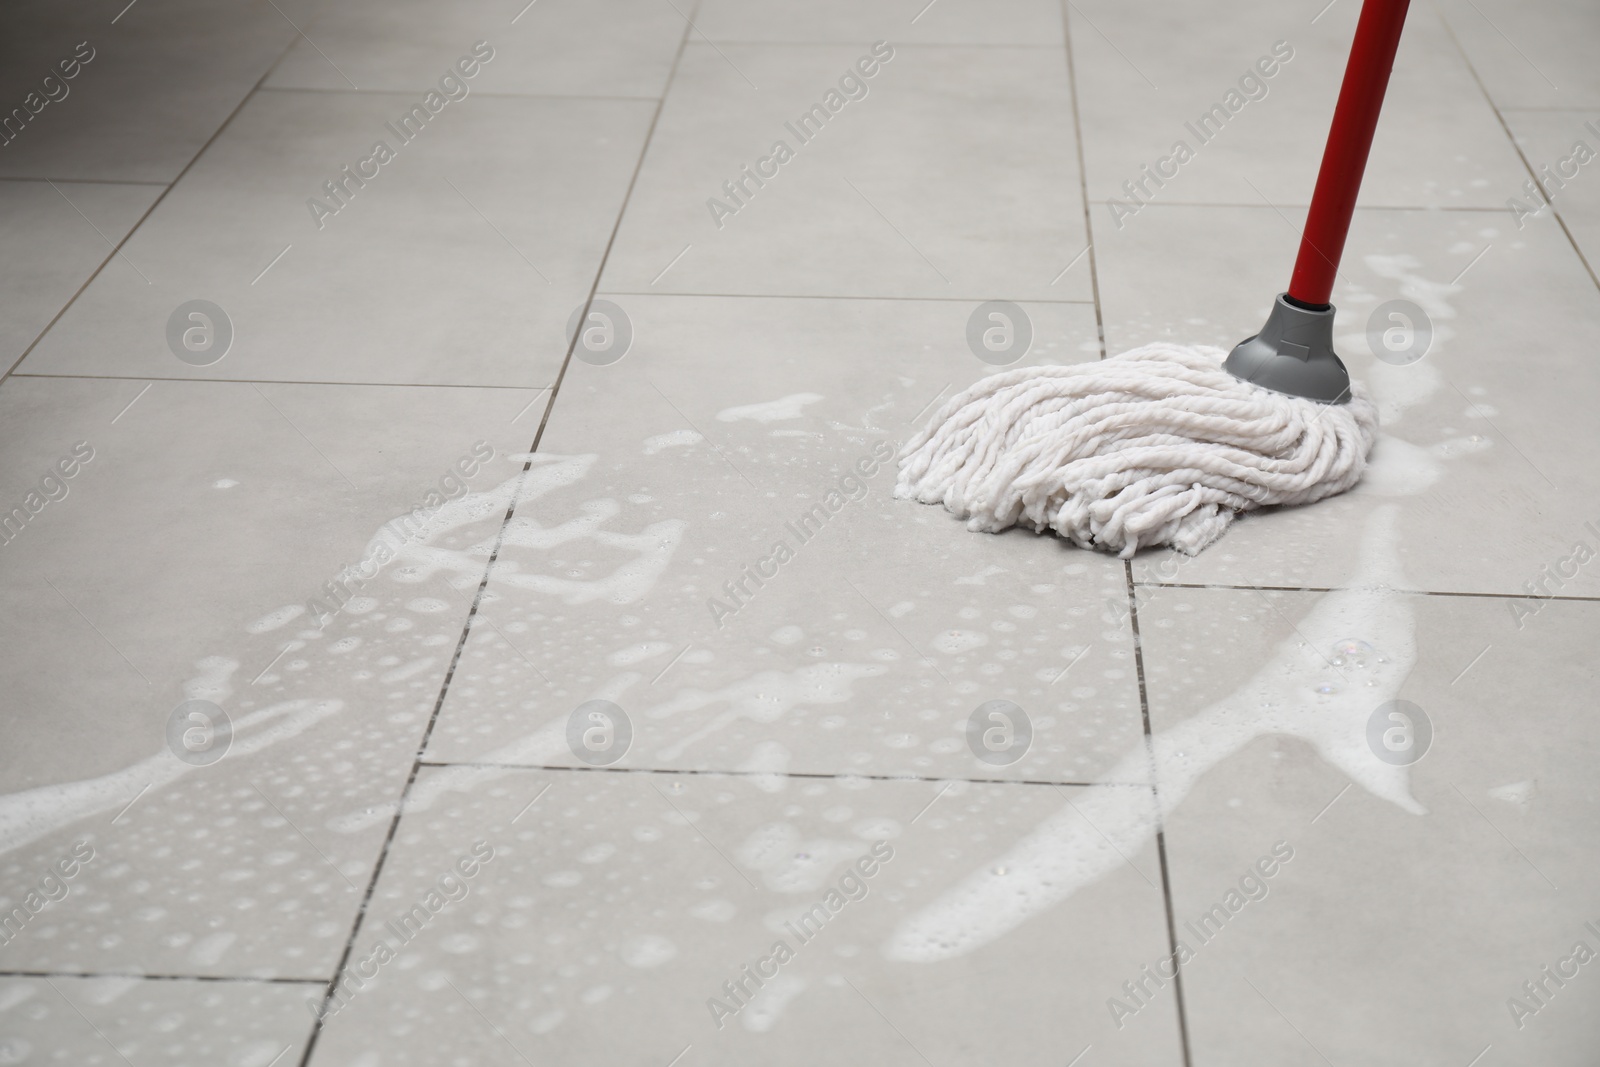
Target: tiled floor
(321, 581)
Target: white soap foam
(213, 683)
(790, 864)
(647, 951)
(764, 697)
(1397, 387)
(638, 653)
(274, 619)
(766, 1008)
(674, 439)
(208, 951)
(30, 814)
(768, 762)
(1518, 793)
(410, 670)
(547, 1021)
(715, 910)
(981, 577)
(955, 642)
(788, 407)
(13, 993)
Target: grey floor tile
(1005, 22)
(156, 82)
(1550, 140)
(1418, 899)
(615, 578)
(1490, 476)
(224, 532)
(96, 1021)
(69, 231)
(458, 263)
(592, 48)
(881, 201)
(1527, 56)
(1144, 87)
(615, 906)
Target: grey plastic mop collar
(1293, 354)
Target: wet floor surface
(455, 609)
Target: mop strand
(1156, 446)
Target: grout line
(102, 234)
(1161, 829)
(1083, 183)
(405, 791)
(1515, 147)
(147, 213)
(273, 381)
(799, 775)
(162, 977)
(488, 570)
(1336, 589)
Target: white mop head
(1157, 446)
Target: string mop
(1157, 446)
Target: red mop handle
(1355, 118)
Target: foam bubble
(647, 951)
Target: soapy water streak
(31, 814)
(417, 560)
(763, 697)
(1083, 842)
(28, 815)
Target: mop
(1166, 444)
